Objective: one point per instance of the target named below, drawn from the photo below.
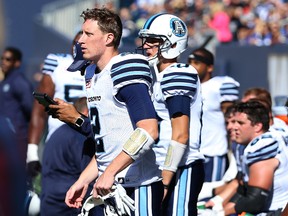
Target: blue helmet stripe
(150, 20)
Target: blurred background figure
(12, 181)
(65, 156)
(56, 82)
(218, 93)
(16, 96)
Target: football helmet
(32, 203)
(171, 30)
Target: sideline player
(218, 93)
(264, 176)
(56, 82)
(122, 117)
(177, 100)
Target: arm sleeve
(179, 105)
(85, 129)
(138, 101)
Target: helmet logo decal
(178, 27)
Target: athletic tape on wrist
(32, 152)
(207, 189)
(174, 155)
(138, 143)
(217, 200)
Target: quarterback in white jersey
(56, 82)
(178, 80)
(218, 93)
(122, 116)
(177, 100)
(110, 119)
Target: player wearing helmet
(177, 99)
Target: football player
(218, 93)
(56, 82)
(122, 117)
(177, 100)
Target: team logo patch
(178, 27)
(88, 83)
(6, 87)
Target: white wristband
(32, 153)
(174, 155)
(207, 189)
(217, 200)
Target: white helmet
(32, 203)
(171, 29)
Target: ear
(17, 64)
(210, 68)
(258, 127)
(109, 38)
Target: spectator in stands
(16, 96)
(220, 22)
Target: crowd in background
(246, 22)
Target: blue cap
(79, 62)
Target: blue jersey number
(67, 90)
(94, 116)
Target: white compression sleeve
(174, 155)
(138, 143)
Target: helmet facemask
(162, 46)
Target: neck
(105, 59)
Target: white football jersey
(280, 126)
(214, 134)
(178, 79)
(68, 85)
(266, 146)
(110, 119)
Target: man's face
(151, 46)
(244, 131)
(202, 68)
(93, 41)
(230, 122)
(7, 62)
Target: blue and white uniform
(112, 125)
(180, 80)
(214, 143)
(266, 146)
(280, 126)
(68, 86)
